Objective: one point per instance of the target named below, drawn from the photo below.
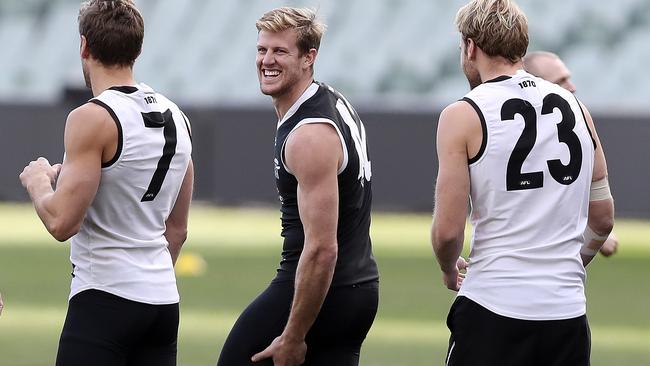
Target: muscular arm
(313, 153)
(89, 133)
(452, 188)
(176, 224)
(601, 212)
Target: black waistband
(365, 284)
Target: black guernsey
(355, 264)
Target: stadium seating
(202, 52)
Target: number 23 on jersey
(564, 174)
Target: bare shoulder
(590, 120)
(459, 118)
(600, 163)
(313, 146)
(89, 123)
(459, 107)
(316, 135)
(89, 113)
(459, 111)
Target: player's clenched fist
(39, 169)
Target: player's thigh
(158, 346)
(257, 326)
(345, 318)
(97, 331)
(481, 337)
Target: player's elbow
(176, 235)
(445, 237)
(182, 237)
(601, 216)
(325, 255)
(602, 225)
(62, 230)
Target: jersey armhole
(120, 138)
(481, 150)
(584, 118)
(317, 120)
(187, 124)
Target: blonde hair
(498, 27)
(309, 28)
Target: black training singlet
(320, 103)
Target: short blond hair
(498, 27)
(304, 20)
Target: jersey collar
(130, 89)
(126, 89)
(498, 78)
(519, 73)
(313, 88)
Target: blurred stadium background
(398, 63)
(201, 52)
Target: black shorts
(335, 338)
(481, 337)
(102, 329)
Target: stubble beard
(473, 76)
(277, 90)
(86, 73)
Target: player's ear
(470, 49)
(310, 58)
(83, 48)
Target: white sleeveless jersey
(121, 247)
(530, 196)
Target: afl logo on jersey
(277, 168)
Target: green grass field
(242, 247)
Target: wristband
(591, 235)
(600, 190)
(586, 251)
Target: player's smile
(270, 74)
(278, 61)
(270, 79)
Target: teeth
(271, 73)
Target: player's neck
(494, 69)
(103, 78)
(283, 102)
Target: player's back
(530, 194)
(120, 247)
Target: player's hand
(2, 305)
(610, 246)
(284, 352)
(455, 277)
(462, 266)
(39, 169)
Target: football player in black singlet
(321, 304)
